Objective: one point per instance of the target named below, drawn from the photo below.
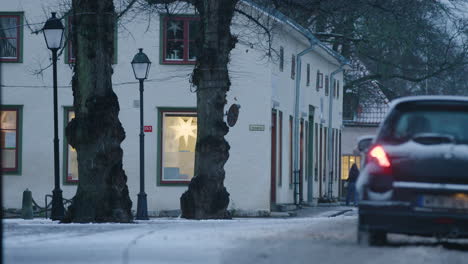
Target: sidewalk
(325, 211)
(320, 210)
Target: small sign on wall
(148, 128)
(256, 127)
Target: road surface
(308, 238)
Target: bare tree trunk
(206, 196)
(96, 132)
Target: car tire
(371, 238)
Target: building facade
(260, 169)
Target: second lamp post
(141, 65)
(53, 34)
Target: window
(334, 88)
(69, 53)
(179, 35)
(70, 160)
(281, 62)
(178, 136)
(10, 128)
(327, 84)
(346, 162)
(337, 88)
(308, 75)
(319, 83)
(293, 67)
(11, 32)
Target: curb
(340, 212)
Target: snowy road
(291, 240)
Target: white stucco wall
(256, 83)
(351, 135)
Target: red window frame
(186, 40)
(18, 39)
(17, 131)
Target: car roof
(445, 98)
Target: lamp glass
(141, 70)
(53, 38)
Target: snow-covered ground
(317, 239)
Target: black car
(415, 177)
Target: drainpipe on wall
(296, 147)
(330, 132)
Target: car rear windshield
(406, 123)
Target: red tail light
(379, 154)
(378, 161)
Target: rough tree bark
(96, 132)
(206, 196)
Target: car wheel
(371, 238)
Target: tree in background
(403, 45)
(96, 132)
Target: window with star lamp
(177, 139)
(178, 37)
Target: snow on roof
(305, 32)
(428, 98)
(369, 115)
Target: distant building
(259, 172)
(361, 117)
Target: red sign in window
(148, 128)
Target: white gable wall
(256, 82)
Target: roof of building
(372, 111)
(296, 26)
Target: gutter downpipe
(330, 132)
(296, 148)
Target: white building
(259, 172)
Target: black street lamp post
(141, 65)
(53, 34)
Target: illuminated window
(179, 35)
(178, 139)
(346, 162)
(71, 164)
(10, 141)
(11, 32)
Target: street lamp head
(141, 65)
(53, 32)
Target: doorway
(310, 156)
(273, 159)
